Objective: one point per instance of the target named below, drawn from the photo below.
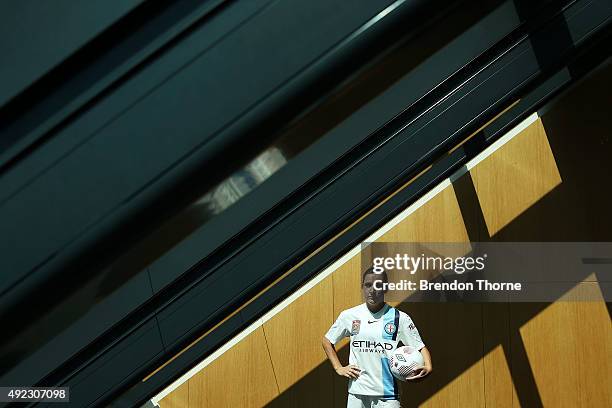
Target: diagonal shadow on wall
(459, 335)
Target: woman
(375, 328)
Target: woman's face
(371, 295)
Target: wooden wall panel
(453, 334)
(198, 391)
(498, 385)
(438, 220)
(499, 388)
(515, 177)
(241, 377)
(178, 398)
(465, 390)
(347, 285)
(294, 341)
(569, 345)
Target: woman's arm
(349, 371)
(427, 367)
(427, 357)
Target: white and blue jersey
(373, 335)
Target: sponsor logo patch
(400, 357)
(355, 327)
(371, 346)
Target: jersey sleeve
(408, 333)
(338, 330)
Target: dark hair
(370, 271)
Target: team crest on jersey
(390, 328)
(355, 327)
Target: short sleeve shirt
(372, 336)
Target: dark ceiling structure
(126, 128)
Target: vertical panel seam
(263, 329)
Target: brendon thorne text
(422, 284)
